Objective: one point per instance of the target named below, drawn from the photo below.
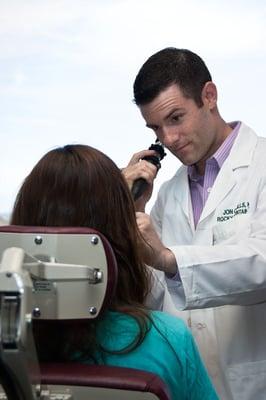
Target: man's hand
(155, 253)
(139, 168)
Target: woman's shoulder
(159, 318)
(168, 320)
(170, 326)
(161, 324)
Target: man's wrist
(169, 264)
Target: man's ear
(209, 95)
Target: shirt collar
(221, 153)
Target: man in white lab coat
(207, 229)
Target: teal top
(168, 350)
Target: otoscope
(140, 185)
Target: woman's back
(168, 350)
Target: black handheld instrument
(140, 185)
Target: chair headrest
(67, 259)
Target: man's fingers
(140, 155)
(142, 169)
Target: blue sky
(67, 69)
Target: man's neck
(223, 131)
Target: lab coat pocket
(222, 232)
(230, 232)
(248, 380)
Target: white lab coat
(222, 265)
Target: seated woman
(77, 185)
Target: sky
(67, 70)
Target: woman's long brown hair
(77, 185)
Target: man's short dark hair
(169, 66)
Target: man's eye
(176, 117)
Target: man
(207, 229)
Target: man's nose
(169, 136)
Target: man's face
(187, 130)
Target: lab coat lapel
(182, 195)
(240, 156)
(224, 182)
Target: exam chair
(41, 268)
